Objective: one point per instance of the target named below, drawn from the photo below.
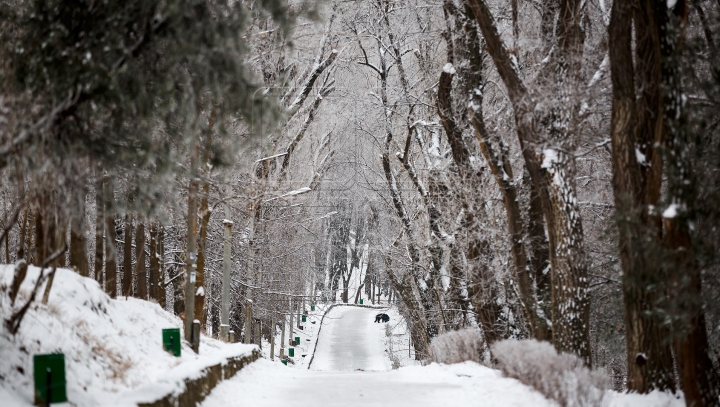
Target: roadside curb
(191, 391)
(317, 337)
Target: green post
(291, 353)
(172, 341)
(49, 374)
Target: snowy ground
(349, 341)
(113, 348)
(267, 384)
(394, 337)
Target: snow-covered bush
(560, 377)
(457, 346)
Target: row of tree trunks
(495, 152)
(108, 231)
(553, 178)
(50, 234)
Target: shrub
(560, 377)
(457, 346)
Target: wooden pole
(290, 333)
(272, 336)
(191, 249)
(250, 270)
(225, 306)
(282, 337)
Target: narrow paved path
(348, 341)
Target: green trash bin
(284, 361)
(361, 301)
(304, 318)
(297, 340)
(49, 374)
(312, 307)
(291, 353)
(172, 341)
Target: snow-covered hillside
(113, 348)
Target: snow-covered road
(350, 340)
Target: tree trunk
(178, 292)
(40, 244)
(227, 260)
(162, 286)
(78, 241)
(416, 318)
(699, 380)
(154, 264)
(140, 269)
(21, 250)
(99, 228)
(110, 243)
(59, 240)
(7, 238)
(200, 282)
(127, 282)
(191, 257)
(539, 260)
(31, 245)
(649, 361)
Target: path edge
(192, 391)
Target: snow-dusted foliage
(561, 377)
(457, 346)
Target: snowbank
(113, 348)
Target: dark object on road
(382, 317)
